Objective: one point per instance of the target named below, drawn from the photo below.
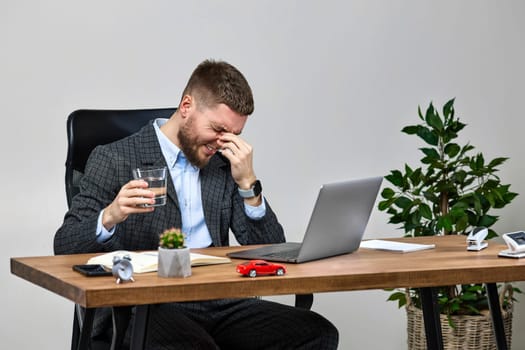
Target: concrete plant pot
(174, 262)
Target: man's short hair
(215, 82)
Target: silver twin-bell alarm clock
(122, 269)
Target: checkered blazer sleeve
(98, 188)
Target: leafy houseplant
(452, 192)
(174, 257)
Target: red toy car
(253, 268)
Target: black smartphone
(92, 270)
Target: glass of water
(156, 179)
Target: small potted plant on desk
(450, 194)
(174, 257)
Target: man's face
(200, 135)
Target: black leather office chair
(87, 129)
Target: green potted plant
(174, 257)
(452, 192)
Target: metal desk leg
(87, 325)
(140, 324)
(121, 317)
(430, 308)
(304, 301)
(76, 329)
(495, 311)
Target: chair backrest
(88, 128)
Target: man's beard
(190, 146)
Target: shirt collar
(169, 150)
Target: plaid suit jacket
(109, 168)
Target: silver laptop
(336, 226)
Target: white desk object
(516, 245)
(476, 239)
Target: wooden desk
(449, 264)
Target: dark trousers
(237, 324)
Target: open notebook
(147, 261)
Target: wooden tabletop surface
(449, 263)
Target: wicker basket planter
(470, 332)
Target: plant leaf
(403, 202)
(428, 135)
(448, 109)
(433, 119)
(410, 130)
(452, 149)
(395, 178)
(387, 193)
(425, 211)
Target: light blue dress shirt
(188, 187)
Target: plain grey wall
(334, 82)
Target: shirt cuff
(102, 234)
(256, 213)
